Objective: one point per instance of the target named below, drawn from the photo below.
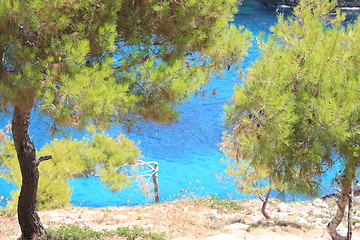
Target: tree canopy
(298, 113)
(144, 56)
(99, 156)
(101, 62)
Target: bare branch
(336, 189)
(154, 168)
(41, 159)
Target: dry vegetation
(198, 219)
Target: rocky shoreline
(341, 3)
(206, 219)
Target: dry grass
(190, 219)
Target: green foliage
(101, 156)
(73, 232)
(104, 62)
(250, 181)
(7, 212)
(217, 203)
(84, 62)
(113, 61)
(136, 232)
(277, 222)
(298, 113)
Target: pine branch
(41, 159)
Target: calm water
(187, 151)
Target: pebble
(238, 220)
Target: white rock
(235, 227)
(282, 214)
(302, 221)
(51, 214)
(107, 227)
(214, 212)
(317, 212)
(222, 236)
(131, 213)
(283, 207)
(304, 214)
(86, 224)
(342, 231)
(320, 203)
(149, 225)
(318, 221)
(58, 219)
(62, 220)
(254, 219)
(121, 217)
(274, 236)
(310, 206)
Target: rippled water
(187, 151)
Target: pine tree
(297, 115)
(105, 62)
(99, 156)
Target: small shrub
(73, 232)
(136, 232)
(282, 223)
(217, 203)
(277, 222)
(7, 212)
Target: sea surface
(188, 150)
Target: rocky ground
(207, 219)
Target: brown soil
(202, 219)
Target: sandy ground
(203, 219)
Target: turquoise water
(187, 151)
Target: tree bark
(263, 207)
(339, 216)
(156, 183)
(350, 213)
(28, 217)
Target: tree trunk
(27, 215)
(339, 216)
(156, 183)
(263, 207)
(2, 63)
(350, 213)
